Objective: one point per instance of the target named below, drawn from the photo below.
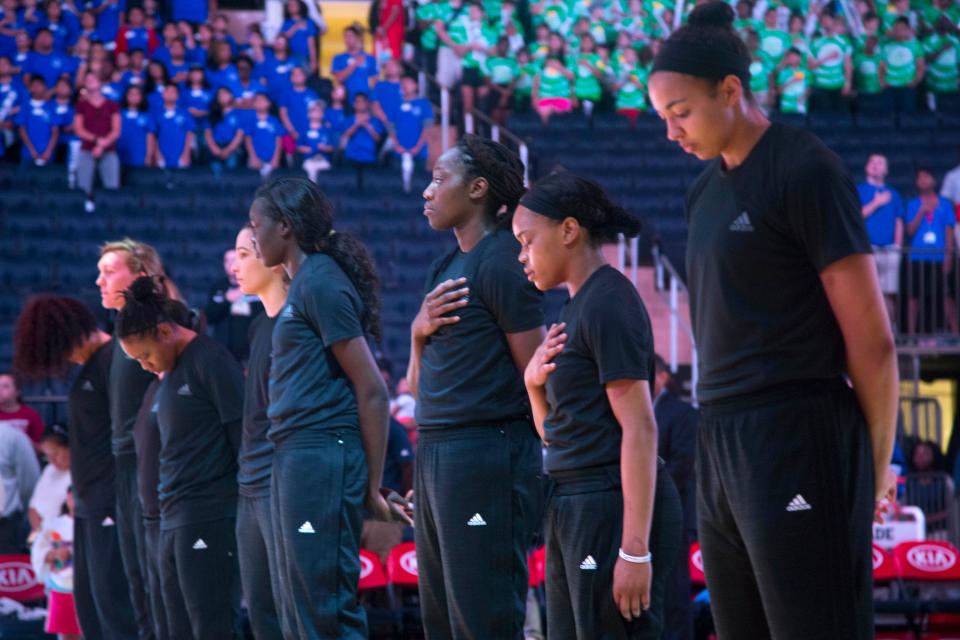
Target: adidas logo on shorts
(742, 223)
(199, 545)
(476, 521)
(107, 522)
(184, 391)
(87, 385)
(588, 564)
(306, 527)
(798, 504)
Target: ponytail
(501, 168)
(310, 215)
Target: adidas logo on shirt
(199, 545)
(588, 564)
(476, 521)
(87, 385)
(306, 527)
(107, 522)
(184, 391)
(742, 223)
(798, 504)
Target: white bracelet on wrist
(635, 559)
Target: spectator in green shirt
(793, 84)
(745, 19)
(942, 49)
(773, 41)
(761, 67)
(869, 68)
(906, 66)
(552, 88)
(502, 72)
(831, 62)
(427, 14)
(523, 88)
(631, 87)
(589, 69)
(798, 37)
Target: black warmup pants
(785, 503)
(200, 581)
(131, 536)
(478, 503)
(319, 484)
(14, 530)
(100, 587)
(584, 527)
(258, 566)
(151, 569)
(678, 607)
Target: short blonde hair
(143, 259)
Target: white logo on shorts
(588, 564)
(199, 545)
(799, 504)
(306, 527)
(476, 521)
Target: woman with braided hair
(477, 481)
(329, 409)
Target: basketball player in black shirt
(614, 521)
(52, 332)
(477, 478)
(785, 303)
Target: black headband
(539, 202)
(702, 61)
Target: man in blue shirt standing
(354, 68)
(38, 126)
(412, 117)
(883, 214)
(43, 61)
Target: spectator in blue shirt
(336, 114)
(178, 66)
(221, 71)
(136, 35)
(24, 48)
(316, 144)
(30, 18)
(301, 32)
(363, 132)
(64, 27)
(108, 18)
(88, 26)
(224, 134)
(276, 67)
(386, 93)
(169, 34)
(247, 89)
(354, 68)
(263, 138)
(37, 126)
(43, 61)
(174, 132)
(157, 80)
(930, 225)
(63, 109)
(883, 215)
(413, 116)
(296, 101)
(138, 142)
(11, 86)
(220, 31)
(197, 98)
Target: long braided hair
(501, 168)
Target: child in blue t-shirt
(225, 131)
(301, 32)
(137, 144)
(336, 114)
(387, 94)
(64, 110)
(316, 143)
(296, 101)
(413, 116)
(197, 97)
(263, 137)
(363, 132)
(37, 125)
(174, 131)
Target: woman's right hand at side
(447, 296)
(541, 365)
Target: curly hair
(49, 329)
(500, 167)
(586, 201)
(310, 215)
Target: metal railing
(923, 309)
(668, 278)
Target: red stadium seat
(402, 565)
(695, 560)
(537, 567)
(928, 561)
(372, 575)
(884, 565)
(17, 580)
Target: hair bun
(147, 289)
(712, 14)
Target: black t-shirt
(146, 437)
(467, 372)
(308, 389)
(608, 338)
(91, 460)
(256, 451)
(128, 383)
(200, 411)
(760, 235)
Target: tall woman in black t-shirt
(614, 521)
(477, 478)
(199, 407)
(784, 301)
(328, 408)
(53, 332)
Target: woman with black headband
(613, 521)
(329, 409)
(784, 299)
(477, 477)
